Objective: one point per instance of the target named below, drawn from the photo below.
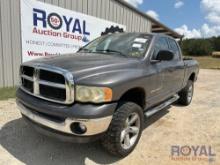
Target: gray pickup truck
(107, 89)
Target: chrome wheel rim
(130, 132)
(190, 93)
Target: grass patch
(207, 62)
(6, 93)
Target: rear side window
(160, 44)
(174, 48)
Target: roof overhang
(157, 27)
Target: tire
(186, 94)
(115, 141)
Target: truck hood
(89, 64)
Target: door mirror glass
(164, 55)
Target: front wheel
(186, 94)
(125, 130)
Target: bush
(197, 47)
(215, 41)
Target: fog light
(78, 128)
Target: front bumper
(62, 136)
(93, 126)
(59, 118)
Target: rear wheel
(125, 130)
(186, 94)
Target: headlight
(93, 94)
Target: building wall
(10, 31)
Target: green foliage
(200, 47)
(215, 41)
(6, 93)
(197, 47)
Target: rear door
(158, 86)
(175, 68)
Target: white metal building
(116, 11)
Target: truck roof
(152, 34)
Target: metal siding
(74, 5)
(129, 24)
(130, 21)
(90, 6)
(114, 12)
(120, 13)
(99, 10)
(149, 26)
(103, 9)
(95, 8)
(123, 16)
(16, 40)
(126, 18)
(6, 42)
(142, 25)
(48, 1)
(107, 3)
(80, 6)
(62, 3)
(146, 26)
(85, 6)
(110, 12)
(10, 36)
(117, 8)
(69, 4)
(134, 25)
(55, 2)
(139, 24)
(1, 53)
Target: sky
(191, 18)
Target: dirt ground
(195, 125)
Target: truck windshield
(124, 44)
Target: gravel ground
(195, 125)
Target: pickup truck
(107, 89)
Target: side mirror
(165, 55)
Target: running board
(160, 107)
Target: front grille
(51, 76)
(28, 71)
(50, 83)
(52, 92)
(28, 85)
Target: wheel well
(192, 77)
(136, 95)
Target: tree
(197, 47)
(215, 41)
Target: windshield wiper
(110, 51)
(85, 49)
